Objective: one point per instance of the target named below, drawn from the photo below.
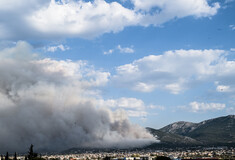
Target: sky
(154, 61)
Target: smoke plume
(52, 104)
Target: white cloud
(134, 107)
(97, 78)
(166, 10)
(188, 7)
(108, 52)
(175, 71)
(232, 49)
(141, 114)
(90, 19)
(75, 70)
(82, 19)
(13, 15)
(221, 88)
(22, 47)
(120, 49)
(202, 107)
(58, 47)
(25, 5)
(125, 49)
(232, 26)
(175, 88)
(143, 87)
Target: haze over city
(95, 73)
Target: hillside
(181, 128)
(171, 138)
(217, 131)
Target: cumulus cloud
(134, 107)
(108, 52)
(82, 19)
(88, 19)
(123, 102)
(202, 107)
(175, 71)
(166, 10)
(221, 88)
(143, 87)
(125, 49)
(13, 15)
(232, 26)
(60, 47)
(193, 7)
(73, 19)
(120, 49)
(53, 105)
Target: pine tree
(31, 152)
(15, 157)
(7, 156)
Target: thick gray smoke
(52, 104)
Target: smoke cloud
(52, 104)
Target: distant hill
(213, 132)
(217, 131)
(171, 138)
(181, 128)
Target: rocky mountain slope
(171, 138)
(217, 131)
(181, 128)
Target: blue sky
(160, 61)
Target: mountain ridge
(216, 131)
(193, 138)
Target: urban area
(212, 153)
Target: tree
(15, 157)
(162, 158)
(31, 154)
(107, 158)
(7, 156)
